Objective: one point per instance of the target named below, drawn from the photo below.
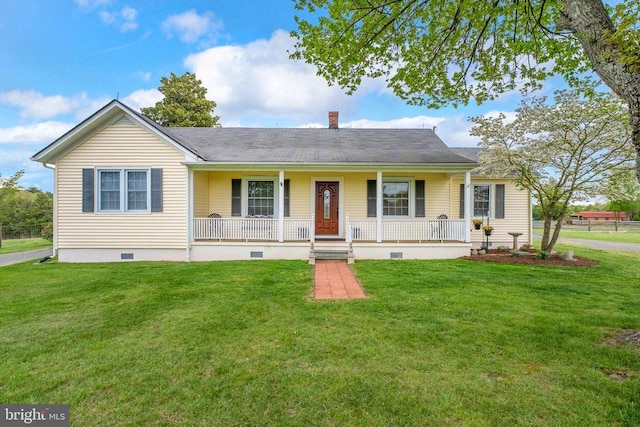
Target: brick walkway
(334, 280)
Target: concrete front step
(331, 255)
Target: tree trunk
(546, 231)
(589, 22)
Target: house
(598, 216)
(126, 188)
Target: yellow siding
(122, 146)
(354, 192)
(516, 216)
(201, 194)
(437, 195)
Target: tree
(11, 183)
(184, 103)
(622, 192)
(438, 52)
(558, 152)
(23, 210)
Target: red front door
(327, 222)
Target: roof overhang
(332, 167)
(109, 114)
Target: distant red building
(598, 216)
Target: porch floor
(334, 280)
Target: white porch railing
(409, 229)
(266, 229)
(249, 229)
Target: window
(260, 198)
(123, 190)
(395, 198)
(481, 200)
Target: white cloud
(259, 78)
(124, 20)
(191, 27)
(142, 98)
(34, 105)
(36, 133)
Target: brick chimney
(333, 120)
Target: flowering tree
(559, 152)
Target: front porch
(294, 238)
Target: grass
(441, 342)
(607, 236)
(21, 245)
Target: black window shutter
(88, 198)
(462, 201)
(156, 190)
(499, 201)
(287, 192)
(371, 197)
(236, 197)
(420, 198)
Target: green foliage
(22, 210)
(441, 52)
(623, 192)
(543, 255)
(558, 151)
(47, 232)
(437, 52)
(184, 103)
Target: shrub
(515, 254)
(47, 232)
(503, 248)
(543, 255)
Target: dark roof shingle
(315, 145)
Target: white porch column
(189, 212)
(379, 207)
(281, 206)
(467, 206)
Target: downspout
(55, 208)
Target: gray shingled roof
(471, 153)
(315, 145)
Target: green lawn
(608, 236)
(20, 245)
(442, 342)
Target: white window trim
(123, 189)
(245, 194)
(412, 192)
(491, 199)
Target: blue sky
(62, 60)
